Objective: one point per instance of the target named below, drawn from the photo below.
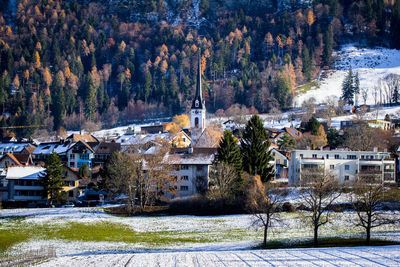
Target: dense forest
(91, 64)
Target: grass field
(77, 230)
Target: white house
(346, 166)
(22, 184)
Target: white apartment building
(346, 166)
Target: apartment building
(345, 166)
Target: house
(88, 138)
(291, 132)
(43, 150)
(345, 166)
(153, 129)
(380, 124)
(280, 163)
(16, 159)
(102, 151)
(80, 154)
(140, 142)
(181, 139)
(192, 169)
(22, 184)
(230, 125)
(71, 183)
(15, 147)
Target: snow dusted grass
(78, 230)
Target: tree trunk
(265, 236)
(368, 229)
(315, 236)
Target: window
(351, 156)
(346, 178)
(71, 193)
(301, 155)
(199, 168)
(84, 156)
(347, 167)
(184, 188)
(72, 156)
(332, 167)
(362, 157)
(184, 167)
(336, 156)
(278, 161)
(314, 156)
(72, 164)
(327, 156)
(185, 178)
(285, 162)
(273, 154)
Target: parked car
(68, 205)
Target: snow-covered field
(199, 233)
(371, 65)
(360, 256)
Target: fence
(28, 257)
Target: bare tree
(364, 94)
(264, 202)
(367, 197)
(319, 191)
(223, 181)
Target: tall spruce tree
(254, 147)
(348, 88)
(53, 181)
(328, 42)
(356, 87)
(228, 152)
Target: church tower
(198, 110)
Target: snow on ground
(355, 256)
(230, 232)
(371, 65)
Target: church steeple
(198, 102)
(198, 112)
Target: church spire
(198, 99)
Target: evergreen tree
(58, 103)
(286, 142)
(306, 63)
(52, 181)
(254, 148)
(90, 102)
(348, 88)
(313, 125)
(356, 87)
(328, 41)
(228, 152)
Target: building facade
(345, 166)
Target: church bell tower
(198, 110)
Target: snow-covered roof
(48, 148)
(199, 156)
(12, 147)
(25, 172)
(140, 139)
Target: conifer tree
(52, 181)
(327, 53)
(254, 148)
(58, 103)
(348, 88)
(396, 96)
(306, 63)
(228, 152)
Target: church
(193, 162)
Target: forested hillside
(91, 64)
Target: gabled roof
(30, 149)
(82, 137)
(13, 158)
(292, 132)
(13, 147)
(25, 159)
(208, 139)
(82, 143)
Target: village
(191, 153)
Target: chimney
(375, 149)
